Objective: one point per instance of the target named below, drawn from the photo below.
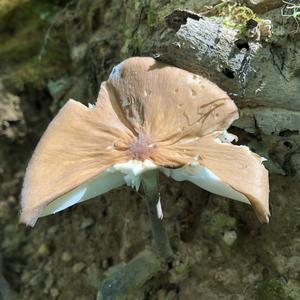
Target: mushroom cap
(146, 111)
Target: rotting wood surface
(261, 76)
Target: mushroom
(149, 116)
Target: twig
(295, 14)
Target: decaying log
(261, 76)
(262, 6)
(248, 70)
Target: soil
(51, 51)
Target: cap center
(142, 147)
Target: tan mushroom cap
(145, 110)
(73, 150)
(241, 169)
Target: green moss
(29, 72)
(29, 24)
(151, 17)
(220, 222)
(126, 32)
(21, 44)
(133, 41)
(23, 74)
(6, 6)
(234, 15)
(182, 265)
(271, 289)
(19, 52)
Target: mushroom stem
(151, 190)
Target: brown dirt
(222, 252)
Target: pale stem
(151, 190)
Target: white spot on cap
(116, 72)
(147, 92)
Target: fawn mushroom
(148, 116)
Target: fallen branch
(248, 70)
